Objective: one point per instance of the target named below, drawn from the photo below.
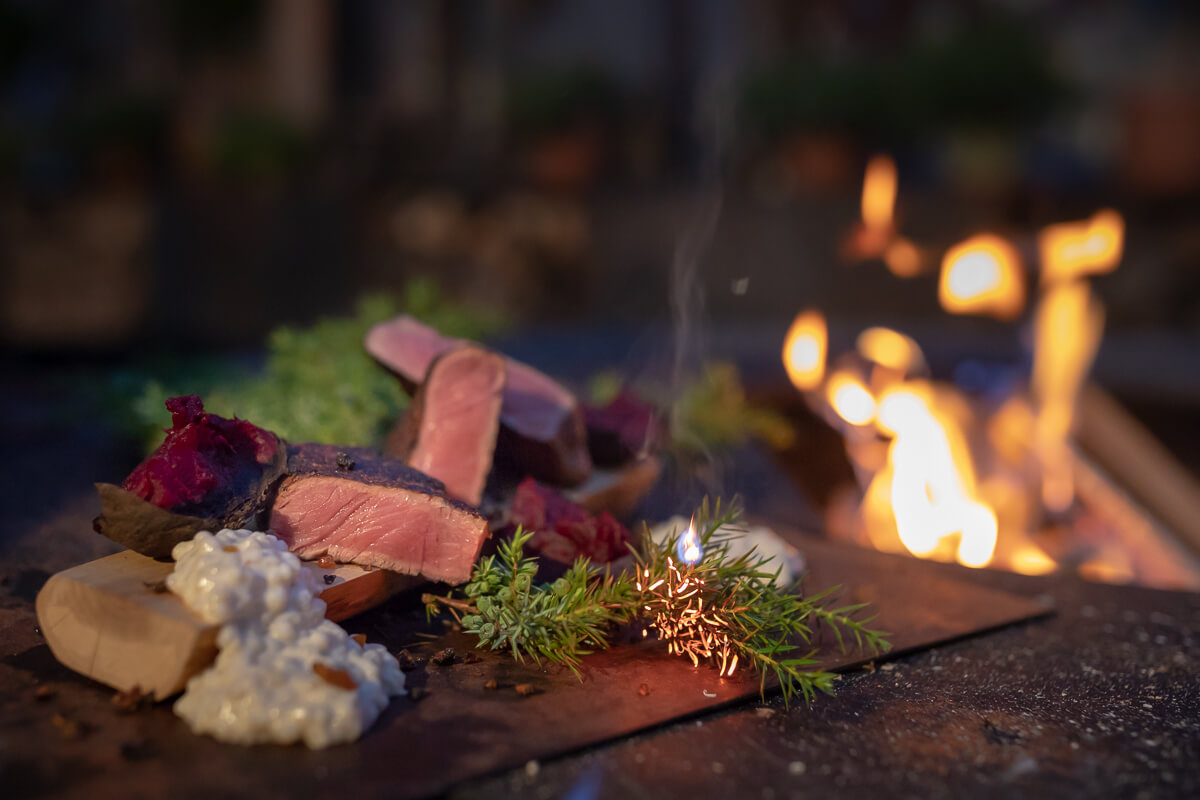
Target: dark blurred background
(195, 172)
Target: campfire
(986, 479)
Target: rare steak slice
(360, 507)
(450, 431)
(542, 432)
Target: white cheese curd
(765, 542)
(263, 687)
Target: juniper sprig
(737, 612)
(558, 621)
(725, 608)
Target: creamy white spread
(275, 643)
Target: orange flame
(879, 193)
(933, 493)
(982, 275)
(1068, 324)
(850, 398)
(1074, 249)
(804, 350)
(1029, 559)
(891, 349)
(875, 236)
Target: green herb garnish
(556, 621)
(318, 383)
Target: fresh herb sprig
(726, 608)
(559, 621)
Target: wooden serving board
(460, 729)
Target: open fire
(876, 236)
(983, 276)
(983, 481)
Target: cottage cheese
(263, 687)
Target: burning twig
(713, 607)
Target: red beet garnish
(565, 530)
(205, 464)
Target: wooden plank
(1139, 463)
(1157, 555)
(461, 730)
(111, 620)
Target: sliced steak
(542, 431)
(450, 431)
(359, 507)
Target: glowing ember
(982, 276)
(689, 549)
(1029, 559)
(1068, 324)
(1073, 249)
(804, 350)
(902, 258)
(850, 398)
(677, 613)
(879, 193)
(1111, 565)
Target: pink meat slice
(456, 417)
(365, 509)
(544, 431)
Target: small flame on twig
(689, 549)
